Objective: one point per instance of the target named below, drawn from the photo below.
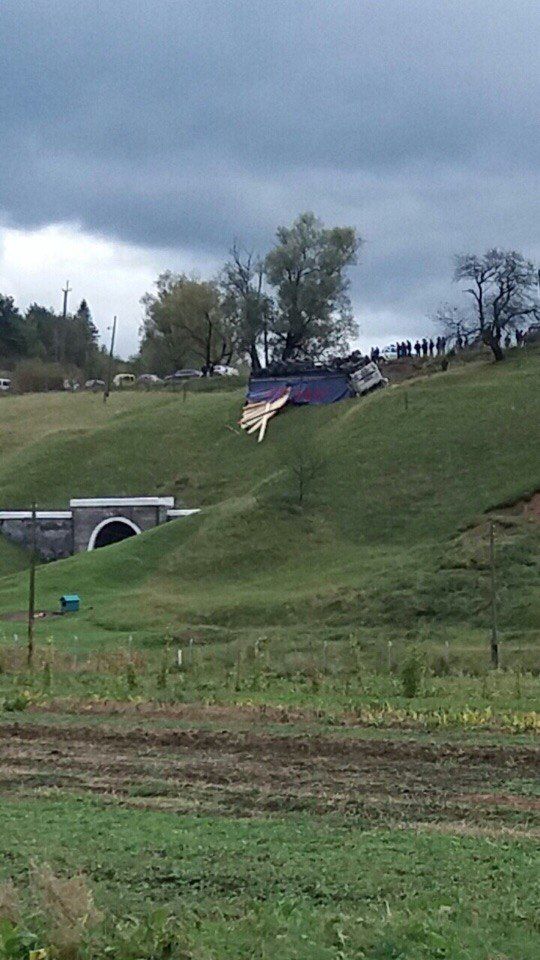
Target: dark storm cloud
(187, 124)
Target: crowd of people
(428, 347)
(421, 348)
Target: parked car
(389, 352)
(123, 379)
(94, 385)
(184, 375)
(5, 384)
(532, 335)
(147, 379)
(222, 370)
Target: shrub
(131, 676)
(9, 902)
(411, 675)
(35, 376)
(69, 907)
(440, 666)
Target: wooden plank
(258, 425)
(255, 416)
(264, 425)
(250, 417)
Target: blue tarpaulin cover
(311, 386)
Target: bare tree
(246, 306)
(455, 322)
(503, 290)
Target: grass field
(292, 887)
(393, 532)
(332, 771)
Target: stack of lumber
(255, 416)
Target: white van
(5, 384)
(124, 379)
(367, 378)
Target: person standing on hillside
(417, 348)
(431, 347)
(424, 347)
(409, 348)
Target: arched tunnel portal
(112, 530)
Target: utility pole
(109, 368)
(65, 290)
(32, 590)
(493, 598)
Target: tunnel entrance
(112, 531)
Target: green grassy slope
(376, 544)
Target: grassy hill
(390, 541)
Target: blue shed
(70, 603)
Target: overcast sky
(139, 136)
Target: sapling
(163, 671)
(131, 676)
(411, 675)
(47, 666)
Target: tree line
(60, 344)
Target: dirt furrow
(246, 774)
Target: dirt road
(471, 787)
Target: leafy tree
(12, 332)
(502, 287)
(307, 269)
(82, 344)
(42, 333)
(183, 323)
(246, 306)
(70, 340)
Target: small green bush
(35, 376)
(411, 675)
(131, 676)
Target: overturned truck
(270, 390)
(317, 385)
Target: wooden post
(493, 598)
(32, 591)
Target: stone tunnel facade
(88, 524)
